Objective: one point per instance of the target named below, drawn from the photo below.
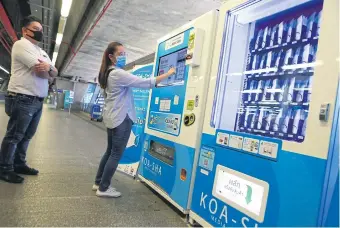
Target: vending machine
(175, 113)
(266, 137)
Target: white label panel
(251, 145)
(222, 139)
(174, 41)
(269, 149)
(245, 193)
(236, 141)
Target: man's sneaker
(11, 177)
(95, 187)
(110, 192)
(25, 170)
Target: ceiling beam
(7, 24)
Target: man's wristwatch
(51, 68)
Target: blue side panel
(294, 188)
(329, 212)
(168, 177)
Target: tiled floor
(66, 150)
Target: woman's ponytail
(106, 62)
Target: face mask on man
(37, 35)
(121, 61)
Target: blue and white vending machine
(129, 162)
(266, 137)
(175, 114)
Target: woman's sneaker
(110, 192)
(95, 187)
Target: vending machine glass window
(266, 69)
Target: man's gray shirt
(23, 79)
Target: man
(28, 86)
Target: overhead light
(59, 38)
(6, 71)
(54, 59)
(65, 8)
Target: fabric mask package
(259, 39)
(310, 23)
(306, 51)
(297, 56)
(274, 35)
(282, 33)
(318, 24)
(301, 27)
(269, 59)
(263, 61)
(291, 31)
(291, 87)
(288, 57)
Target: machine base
(163, 194)
(194, 218)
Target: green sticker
(190, 105)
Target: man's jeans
(24, 113)
(117, 140)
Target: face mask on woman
(121, 61)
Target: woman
(118, 113)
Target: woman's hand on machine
(172, 71)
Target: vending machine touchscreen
(176, 60)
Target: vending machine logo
(219, 213)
